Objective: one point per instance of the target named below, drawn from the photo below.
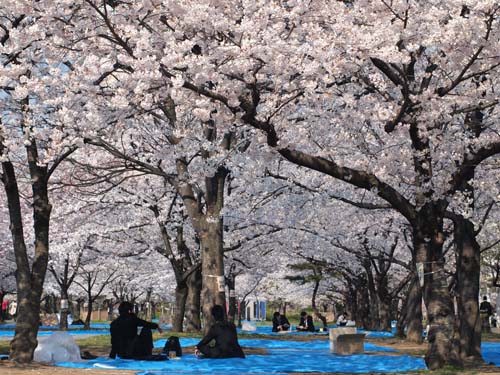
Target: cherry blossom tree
(32, 145)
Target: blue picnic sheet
(10, 333)
(277, 361)
(278, 344)
(283, 356)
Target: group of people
(281, 323)
(221, 340)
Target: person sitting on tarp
(306, 322)
(125, 342)
(342, 320)
(221, 340)
(280, 322)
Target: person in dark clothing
(485, 311)
(306, 322)
(280, 322)
(221, 340)
(125, 342)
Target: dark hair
(125, 307)
(485, 298)
(217, 312)
(303, 313)
(276, 314)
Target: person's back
(124, 339)
(284, 323)
(485, 307)
(123, 332)
(225, 337)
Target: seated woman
(280, 322)
(221, 340)
(306, 322)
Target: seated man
(306, 322)
(280, 322)
(221, 340)
(124, 339)
(342, 320)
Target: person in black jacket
(125, 342)
(485, 311)
(280, 322)
(221, 340)
(306, 322)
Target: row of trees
(363, 111)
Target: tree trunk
(89, 314)
(29, 281)
(428, 238)
(213, 288)
(316, 314)
(468, 272)
(413, 308)
(242, 311)
(384, 314)
(232, 302)
(193, 305)
(181, 293)
(64, 311)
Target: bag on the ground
(173, 345)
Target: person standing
(125, 342)
(485, 311)
(221, 340)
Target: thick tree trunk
(468, 272)
(193, 304)
(428, 238)
(384, 316)
(209, 229)
(213, 284)
(29, 281)
(181, 294)
(360, 310)
(413, 308)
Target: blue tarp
(267, 330)
(283, 356)
(277, 361)
(11, 333)
(279, 344)
(491, 352)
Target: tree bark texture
(193, 303)
(413, 308)
(428, 239)
(181, 293)
(468, 272)
(29, 280)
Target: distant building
(255, 309)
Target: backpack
(173, 345)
